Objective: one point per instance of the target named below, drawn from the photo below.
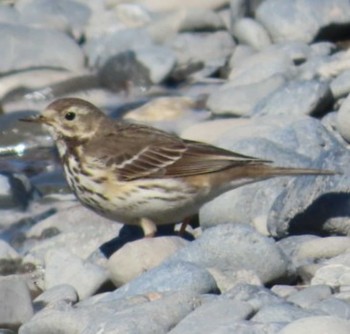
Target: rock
(69, 16)
(243, 8)
(252, 33)
(20, 49)
(310, 295)
(231, 99)
(280, 313)
(160, 6)
(334, 275)
(340, 86)
(153, 313)
(7, 252)
(296, 98)
(320, 248)
(172, 114)
(257, 296)
(16, 306)
(333, 306)
(343, 119)
(283, 290)
(8, 14)
(16, 191)
(316, 325)
(261, 66)
(221, 311)
(80, 231)
(142, 255)
(169, 276)
(132, 15)
(56, 295)
(62, 267)
(211, 50)
(302, 19)
(245, 242)
(239, 55)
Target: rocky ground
(268, 78)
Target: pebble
(248, 245)
(16, 306)
(296, 98)
(62, 267)
(234, 100)
(316, 325)
(252, 33)
(223, 311)
(22, 42)
(340, 86)
(140, 256)
(343, 119)
(333, 306)
(310, 295)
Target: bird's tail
(270, 171)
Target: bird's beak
(35, 119)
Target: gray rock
(310, 295)
(343, 119)
(68, 16)
(7, 252)
(210, 50)
(156, 313)
(20, 49)
(168, 277)
(262, 65)
(280, 313)
(16, 306)
(231, 99)
(252, 33)
(340, 86)
(248, 246)
(99, 50)
(243, 8)
(221, 312)
(301, 19)
(59, 294)
(139, 256)
(316, 325)
(257, 296)
(333, 306)
(239, 55)
(62, 267)
(16, 191)
(80, 232)
(297, 98)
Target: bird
(140, 175)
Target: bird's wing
(141, 152)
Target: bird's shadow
(313, 219)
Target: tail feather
(287, 171)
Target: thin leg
(149, 227)
(183, 226)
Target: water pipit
(143, 176)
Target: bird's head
(70, 118)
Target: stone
(316, 325)
(8, 14)
(140, 256)
(252, 33)
(280, 313)
(248, 245)
(296, 98)
(64, 293)
(221, 311)
(20, 49)
(62, 267)
(310, 295)
(16, 306)
(333, 306)
(334, 275)
(343, 119)
(69, 16)
(261, 66)
(231, 99)
(239, 55)
(340, 86)
(211, 50)
(302, 19)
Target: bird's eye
(69, 116)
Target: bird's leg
(183, 226)
(149, 228)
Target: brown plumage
(141, 175)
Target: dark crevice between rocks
(334, 33)
(316, 219)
